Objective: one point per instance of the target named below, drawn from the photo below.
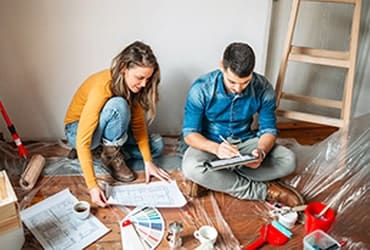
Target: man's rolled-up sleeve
(267, 116)
(193, 111)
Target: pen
(228, 143)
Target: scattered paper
(55, 226)
(154, 194)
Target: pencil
(228, 143)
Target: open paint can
(314, 221)
(288, 219)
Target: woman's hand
(98, 197)
(152, 170)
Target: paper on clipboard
(228, 163)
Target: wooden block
(8, 201)
(7, 194)
(3, 189)
(10, 224)
(8, 210)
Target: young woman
(111, 108)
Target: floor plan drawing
(56, 227)
(154, 194)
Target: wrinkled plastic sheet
(334, 171)
(337, 172)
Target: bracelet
(262, 152)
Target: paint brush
(336, 197)
(325, 209)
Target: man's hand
(227, 150)
(260, 155)
(152, 170)
(98, 197)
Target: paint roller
(34, 167)
(32, 172)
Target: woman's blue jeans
(113, 129)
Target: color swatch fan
(148, 224)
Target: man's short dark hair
(239, 58)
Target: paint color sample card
(129, 236)
(149, 225)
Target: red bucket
(313, 221)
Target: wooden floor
(237, 222)
(305, 133)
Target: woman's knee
(118, 104)
(114, 120)
(156, 145)
(71, 133)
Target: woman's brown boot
(114, 162)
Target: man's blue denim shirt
(211, 111)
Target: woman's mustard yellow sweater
(85, 108)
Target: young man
(221, 104)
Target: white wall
(327, 26)
(49, 47)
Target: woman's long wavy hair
(137, 54)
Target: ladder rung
(320, 56)
(333, 54)
(333, 1)
(312, 100)
(295, 115)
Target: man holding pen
(218, 115)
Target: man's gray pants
(241, 182)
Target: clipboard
(228, 163)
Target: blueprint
(154, 194)
(55, 226)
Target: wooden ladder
(342, 59)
